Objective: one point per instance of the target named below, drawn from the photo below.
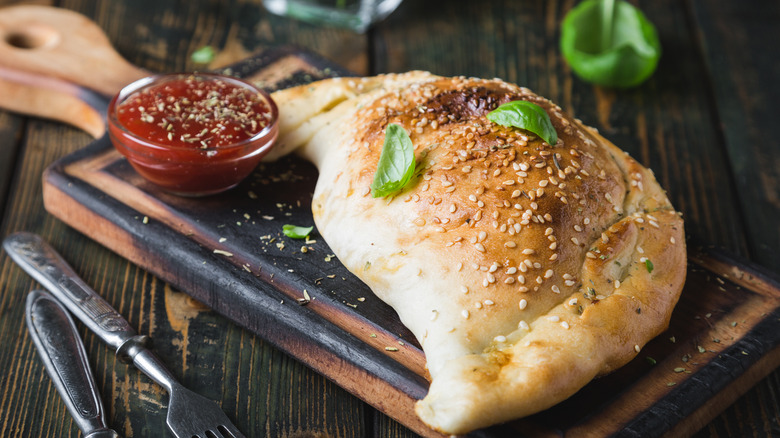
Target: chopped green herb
(396, 163)
(651, 361)
(525, 115)
(204, 55)
(649, 265)
(296, 232)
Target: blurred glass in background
(357, 15)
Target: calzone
(524, 269)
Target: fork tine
(230, 431)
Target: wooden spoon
(58, 64)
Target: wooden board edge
(394, 399)
(745, 362)
(738, 270)
(133, 198)
(726, 397)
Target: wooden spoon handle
(47, 54)
(62, 44)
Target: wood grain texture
(10, 130)
(721, 57)
(744, 99)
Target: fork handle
(151, 365)
(46, 266)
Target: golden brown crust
(520, 266)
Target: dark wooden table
(706, 122)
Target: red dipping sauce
(193, 134)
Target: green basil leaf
(525, 115)
(396, 163)
(296, 232)
(204, 55)
(649, 265)
(610, 43)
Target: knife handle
(46, 266)
(62, 352)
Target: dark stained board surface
(228, 252)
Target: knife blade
(62, 351)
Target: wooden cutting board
(228, 252)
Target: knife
(189, 414)
(62, 352)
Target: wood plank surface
(717, 76)
(744, 98)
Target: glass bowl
(193, 134)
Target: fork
(189, 414)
